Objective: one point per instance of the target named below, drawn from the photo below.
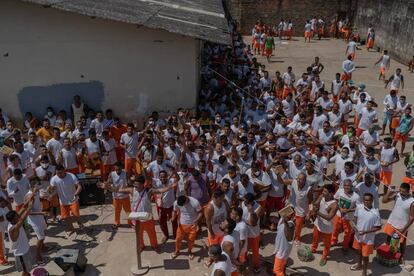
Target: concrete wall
(247, 12)
(47, 56)
(393, 22)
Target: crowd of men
(258, 144)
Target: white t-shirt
(119, 181)
(65, 188)
(17, 189)
(54, 146)
(131, 144)
(188, 212)
(367, 118)
(366, 220)
(353, 198)
(299, 198)
(166, 199)
(241, 228)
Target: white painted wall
(139, 73)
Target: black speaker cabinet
(91, 194)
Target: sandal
(174, 255)
(355, 267)
(208, 263)
(191, 256)
(323, 262)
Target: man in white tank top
(396, 81)
(388, 156)
(222, 263)
(283, 244)
(324, 209)
(19, 242)
(36, 219)
(216, 212)
(384, 65)
(78, 108)
(68, 157)
(402, 215)
(231, 243)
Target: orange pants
(279, 266)
(370, 43)
(120, 154)
(352, 56)
(149, 227)
(105, 171)
(359, 132)
(130, 166)
(234, 273)
(299, 221)
(326, 237)
(338, 225)
(120, 204)
(254, 245)
(346, 77)
(185, 230)
(3, 258)
(68, 210)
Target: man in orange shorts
(367, 222)
(308, 27)
(129, 141)
(283, 244)
(403, 130)
(348, 66)
(189, 210)
(402, 215)
(388, 156)
(17, 187)
(385, 64)
(67, 187)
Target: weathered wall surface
(247, 12)
(47, 56)
(393, 22)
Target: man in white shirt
(385, 64)
(98, 124)
(367, 221)
(288, 80)
(366, 118)
(348, 66)
(55, 145)
(351, 49)
(67, 186)
(17, 187)
(129, 141)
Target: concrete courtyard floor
(113, 253)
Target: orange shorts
(370, 43)
(346, 77)
(390, 230)
(68, 210)
(385, 177)
(307, 34)
(217, 239)
(49, 203)
(401, 137)
(366, 249)
(352, 56)
(382, 70)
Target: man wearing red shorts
(66, 185)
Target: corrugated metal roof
(202, 19)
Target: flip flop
(191, 256)
(322, 262)
(174, 255)
(355, 267)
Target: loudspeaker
(71, 258)
(91, 194)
